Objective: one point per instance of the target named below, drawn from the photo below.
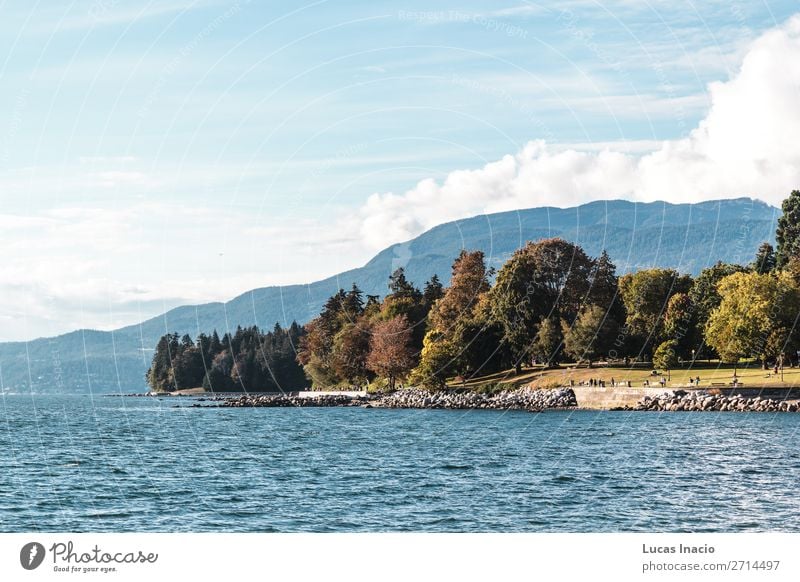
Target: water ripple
(97, 465)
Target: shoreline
(411, 398)
(523, 399)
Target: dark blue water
(134, 464)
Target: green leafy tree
(541, 280)
(753, 307)
(787, 234)
(437, 360)
(316, 353)
(518, 302)
(590, 335)
(646, 295)
(666, 356)
(218, 378)
(680, 325)
(779, 343)
(705, 298)
(479, 340)
(547, 344)
(566, 272)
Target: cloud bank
(747, 145)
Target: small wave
(565, 478)
(453, 467)
(449, 520)
(110, 515)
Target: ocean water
(84, 464)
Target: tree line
(549, 302)
(247, 360)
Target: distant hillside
(687, 237)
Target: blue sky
(153, 154)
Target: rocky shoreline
(525, 398)
(521, 399)
(281, 401)
(699, 401)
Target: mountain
(687, 237)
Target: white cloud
(745, 146)
(76, 267)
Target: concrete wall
(603, 398)
(318, 393)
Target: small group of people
(593, 382)
(662, 382)
(621, 383)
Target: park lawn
(749, 374)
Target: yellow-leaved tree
(755, 316)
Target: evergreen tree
(788, 233)
(764, 261)
(399, 286)
(604, 290)
(433, 291)
(247, 361)
(353, 304)
(405, 300)
(160, 375)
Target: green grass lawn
(749, 374)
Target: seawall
(606, 397)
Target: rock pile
(276, 401)
(702, 401)
(521, 399)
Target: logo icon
(31, 555)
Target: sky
(154, 154)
